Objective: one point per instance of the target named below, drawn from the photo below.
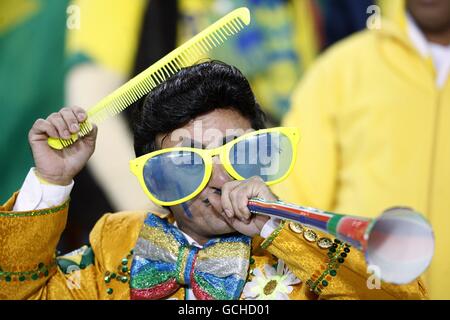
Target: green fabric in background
(32, 69)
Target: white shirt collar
(189, 239)
(417, 37)
(438, 53)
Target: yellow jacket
(30, 270)
(375, 133)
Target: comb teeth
(66, 142)
(183, 56)
(85, 128)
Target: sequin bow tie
(163, 261)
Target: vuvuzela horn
(400, 242)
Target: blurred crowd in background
(56, 53)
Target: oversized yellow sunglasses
(174, 175)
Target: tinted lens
(174, 175)
(267, 155)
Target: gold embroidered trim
(35, 213)
(272, 237)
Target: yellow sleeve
(29, 268)
(312, 262)
(313, 179)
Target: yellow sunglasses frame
(137, 165)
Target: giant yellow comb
(183, 56)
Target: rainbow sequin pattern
(164, 261)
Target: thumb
(91, 137)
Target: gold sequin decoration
(310, 235)
(324, 243)
(296, 227)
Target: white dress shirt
(439, 54)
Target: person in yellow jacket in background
(374, 118)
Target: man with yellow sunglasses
(202, 152)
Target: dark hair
(191, 92)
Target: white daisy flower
(272, 284)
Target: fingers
(91, 137)
(42, 127)
(227, 206)
(235, 196)
(239, 199)
(71, 120)
(216, 202)
(66, 121)
(80, 113)
(59, 124)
